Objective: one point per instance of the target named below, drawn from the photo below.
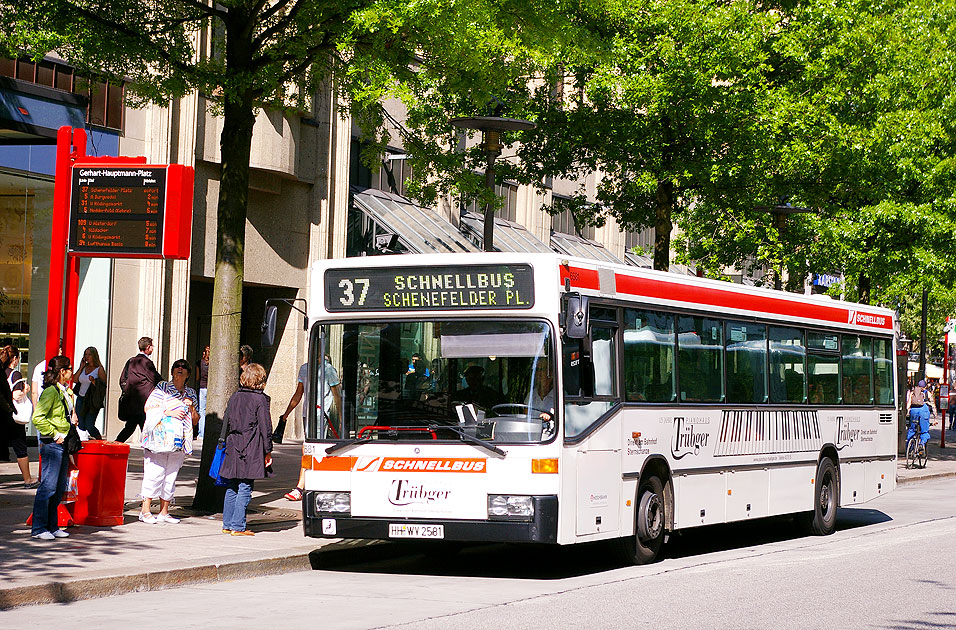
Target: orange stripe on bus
(338, 464)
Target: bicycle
(915, 448)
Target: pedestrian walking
(137, 381)
(167, 439)
(89, 380)
(333, 396)
(52, 418)
(245, 357)
(202, 381)
(15, 429)
(248, 447)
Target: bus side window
(883, 371)
(649, 357)
(699, 359)
(588, 377)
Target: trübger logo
(405, 492)
(688, 440)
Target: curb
(925, 477)
(324, 553)
(107, 586)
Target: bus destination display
(430, 288)
(117, 210)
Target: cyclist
(919, 400)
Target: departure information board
(118, 210)
(471, 287)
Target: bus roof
(643, 287)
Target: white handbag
(23, 409)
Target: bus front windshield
(436, 380)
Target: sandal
(294, 495)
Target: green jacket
(50, 417)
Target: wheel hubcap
(651, 522)
(826, 496)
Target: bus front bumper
(542, 529)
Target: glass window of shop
(26, 211)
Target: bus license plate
(404, 530)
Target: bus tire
(821, 521)
(644, 547)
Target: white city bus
(674, 402)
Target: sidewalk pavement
(135, 556)
(940, 462)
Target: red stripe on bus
(763, 304)
(581, 278)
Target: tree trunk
(662, 225)
(235, 144)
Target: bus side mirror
(576, 322)
(269, 326)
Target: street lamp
(905, 343)
(491, 128)
(780, 213)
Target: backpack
(918, 397)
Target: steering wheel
(521, 407)
(518, 406)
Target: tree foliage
(248, 54)
(861, 135)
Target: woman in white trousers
(167, 440)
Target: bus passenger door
(597, 457)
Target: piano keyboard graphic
(751, 432)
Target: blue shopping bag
(216, 464)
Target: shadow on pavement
(931, 620)
(552, 562)
(537, 562)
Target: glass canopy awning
(509, 236)
(572, 245)
(419, 230)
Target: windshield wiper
(433, 429)
(341, 445)
(472, 439)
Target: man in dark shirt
(477, 392)
(137, 381)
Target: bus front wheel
(821, 521)
(644, 546)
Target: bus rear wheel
(645, 545)
(821, 521)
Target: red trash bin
(101, 483)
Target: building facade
(305, 168)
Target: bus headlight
(333, 502)
(509, 507)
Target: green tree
(274, 54)
(670, 116)
(862, 131)
(664, 99)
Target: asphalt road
(891, 564)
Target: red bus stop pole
(942, 414)
(70, 146)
